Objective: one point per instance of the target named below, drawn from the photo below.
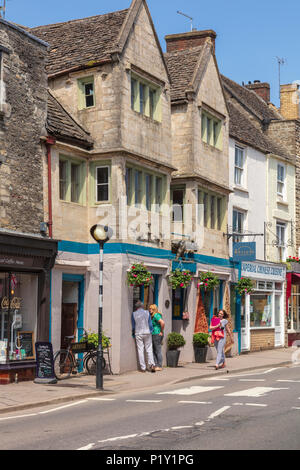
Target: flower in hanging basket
(209, 281)
(244, 286)
(138, 275)
(180, 278)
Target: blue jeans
(157, 340)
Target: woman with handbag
(157, 335)
(220, 329)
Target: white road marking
(196, 402)
(290, 381)
(200, 423)
(249, 404)
(113, 439)
(217, 379)
(181, 427)
(296, 408)
(88, 447)
(218, 412)
(190, 391)
(252, 380)
(101, 399)
(144, 401)
(19, 416)
(254, 392)
(62, 407)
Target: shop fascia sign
(263, 271)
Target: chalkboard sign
(26, 341)
(44, 363)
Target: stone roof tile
(60, 124)
(78, 43)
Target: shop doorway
(72, 307)
(148, 295)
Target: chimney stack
(289, 101)
(262, 89)
(183, 41)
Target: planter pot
(200, 354)
(172, 358)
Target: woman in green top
(157, 335)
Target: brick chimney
(262, 89)
(289, 101)
(182, 41)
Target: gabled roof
(251, 100)
(62, 126)
(87, 42)
(81, 43)
(249, 116)
(183, 66)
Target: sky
(251, 36)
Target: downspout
(50, 141)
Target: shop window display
(18, 316)
(261, 310)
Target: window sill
(282, 202)
(240, 188)
(262, 328)
(79, 204)
(146, 118)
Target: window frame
(211, 130)
(150, 104)
(81, 165)
(108, 184)
(239, 212)
(82, 97)
(239, 167)
(283, 181)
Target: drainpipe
(49, 141)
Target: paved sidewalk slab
(26, 395)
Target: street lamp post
(101, 235)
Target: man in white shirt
(142, 332)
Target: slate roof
(248, 116)
(61, 125)
(79, 43)
(182, 66)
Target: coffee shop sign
(264, 271)
(15, 303)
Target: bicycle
(65, 362)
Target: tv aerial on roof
(281, 61)
(187, 16)
(2, 8)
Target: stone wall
(24, 108)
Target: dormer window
(86, 92)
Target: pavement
(27, 395)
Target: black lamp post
(101, 235)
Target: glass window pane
(102, 193)
(102, 175)
(89, 94)
(178, 200)
(261, 310)
(75, 182)
(62, 180)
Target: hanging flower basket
(139, 276)
(208, 281)
(244, 286)
(180, 278)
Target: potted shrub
(200, 343)
(174, 341)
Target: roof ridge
(77, 20)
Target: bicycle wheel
(63, 364)
(91, 363)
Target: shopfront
(25, 264)
(262, 311)
(293, 302)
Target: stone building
(200, 134)
(288, 132)
(262, 177)
(116, 170)
(26, 258)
